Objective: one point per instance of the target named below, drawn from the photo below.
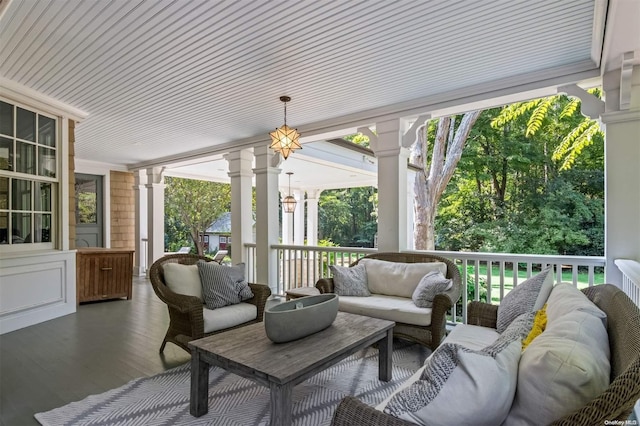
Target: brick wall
(72, 185)
(122, 211)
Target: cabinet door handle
(106, 269)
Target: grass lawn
(567, 276)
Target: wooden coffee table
(247, 352)
(298, 292)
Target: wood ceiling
(159, 78)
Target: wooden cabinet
(103, 274)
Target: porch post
(392, 186)
(622, 174)
(155, 214)
(267, 221)
(313, 196)
(241, 210)
(298, 218)
(140, 256)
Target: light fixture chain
(285, 113)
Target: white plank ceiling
(163, 77)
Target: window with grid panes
(28, 176)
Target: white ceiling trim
(96, 167)
(187, 175)
(597, 33)
(35, 99)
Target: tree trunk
(418, 154)
(198, 244)
(447, 150)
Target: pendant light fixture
(285, 140)
(289, 202)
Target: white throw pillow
(431, 284)
(563, 369)
(461, 386)
(565, 298)
(528, 296)
(183, 279)
(397, 279)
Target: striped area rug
(164, 399)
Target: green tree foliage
(347, 217)
(192, 205)
(87, 204)
(176, 234)
(510, 192)
(358, 139)
(544, 112)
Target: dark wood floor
(102, 346)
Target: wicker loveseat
(612, 405)
(186, 319)
(429, 335)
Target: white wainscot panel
(24, 289)
(34, 289)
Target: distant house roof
(221, 225)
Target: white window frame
(56, 190)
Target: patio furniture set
(479, 372)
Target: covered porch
(285, 254)
(202, 104)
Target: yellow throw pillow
(539, 324)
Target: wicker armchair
(615, 403)
(430, 335)
(186, 321)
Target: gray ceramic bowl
(285, 322)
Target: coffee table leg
(385, 351)
(199, 405)
(281, 406)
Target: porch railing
(488, 276)
(630, 278)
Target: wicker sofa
(614, 404)
(430, 334)
(186, 318)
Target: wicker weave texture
(623, 328)
(353, 412)
(186, 322)
(430, 335)
(615, 403)
(482, 314)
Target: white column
(267, 222)
(140, 257)
(622, 174)
(392, 186)
(241, 209)
(64, 210)
(298, 218)
(155, 214)
(287, 223)
(313, 196)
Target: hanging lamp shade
(289, 202)
(285, 140)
